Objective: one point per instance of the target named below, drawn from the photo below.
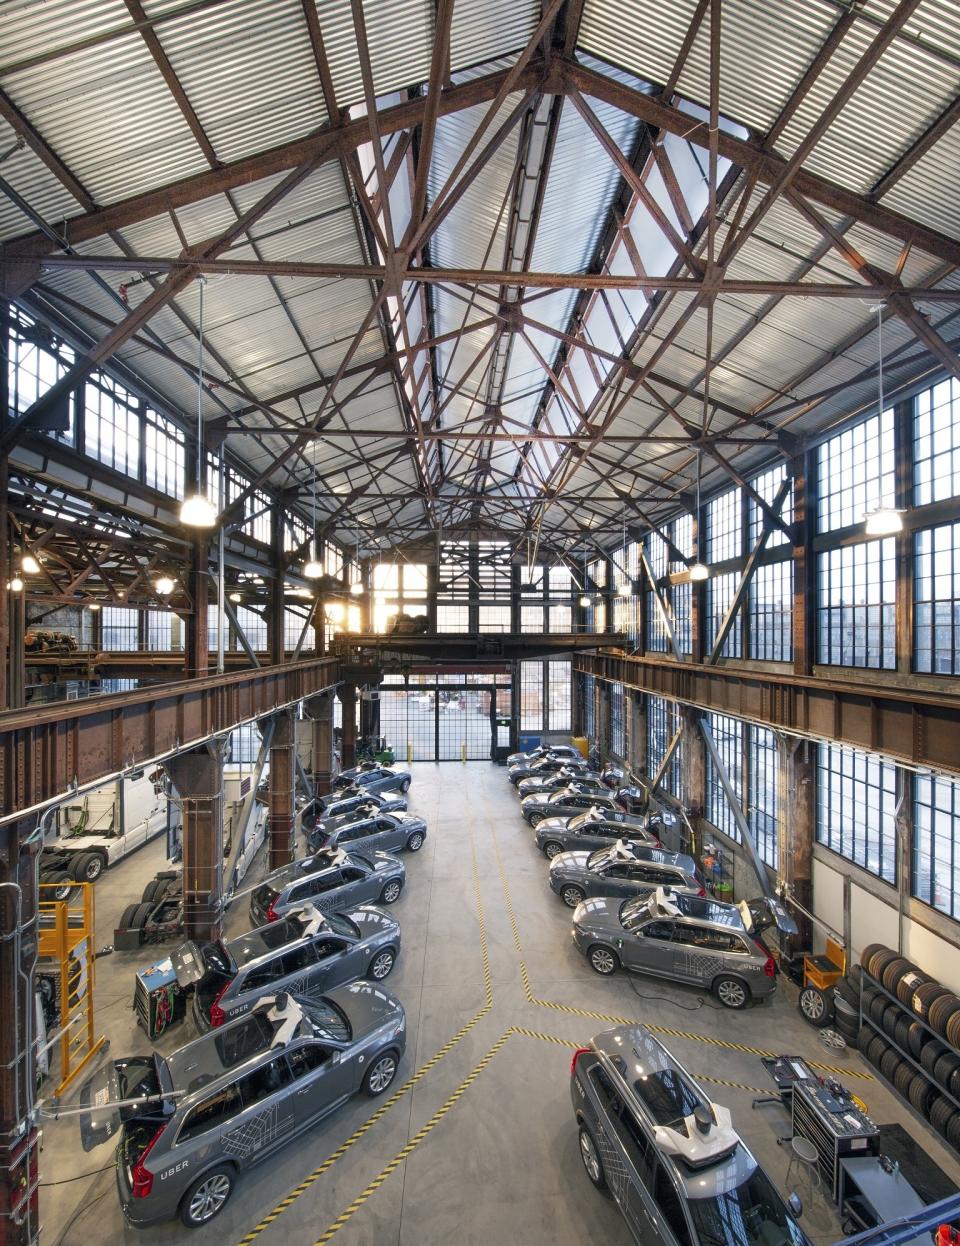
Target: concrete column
(320, 711)
(198, 779)
(798, 821)
(19, 1138)
(282, 779)
(348, 749)
(693, 773)
(196, 649)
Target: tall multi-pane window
(767, 486)
(856, 808)
(119, 628)
(617, 740)
(452, 618)
(494, 618)
(36, 361)
(770, 608)
(856, 605)
(658, 603)
(936, 612)
(254, 628)
(936, 443)
(721, 590)
(727, 736)
(662, 722)
(165, 454)
(561, 618)
(559, 676)
(725, 526)
(589, 706)
(936, 842)
(531, 696)
(856, 473)
(293, 622)
(164, 630)
(112, 425)
(531, 618)
(763, 770)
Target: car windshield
(359, 859)
(751, 1215)
(326, 1020)
(580, 821)
(598, 857)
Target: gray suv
(348, 801)
(684, 938)
(388, 832)
(191, 1122)
(568, 801)
(589, 780)
(306, 953)
(679, 1172)
(329, 880)
(622, 869)
(544, 766)
(595, 829)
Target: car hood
(598, 914)
(367, 1007)
(409, 819)
(373, 921)
(569, 862)
(535, 799)
(385, 862)
(551, 826)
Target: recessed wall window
(936, 842)
(936, 443)
(855, 470)
(856, 605)
(936, 612)
(770, 607)
(856, 807)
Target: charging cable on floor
(44, 1185)
(661, 999)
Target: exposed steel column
(320, 711)
(19, 1139)
(282, 777)
(196, 648)
(348, 747)
(798, 819)
(198, 779)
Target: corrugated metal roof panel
(248, 71)
(110, 117)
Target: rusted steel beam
(327, 142)
(904, 723)
(48, 751)
(481, 276)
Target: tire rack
(865, 1018)
(66, 938)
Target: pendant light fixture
(165, 585)
(197, 510)
(585, 599)
(883, 520)
(699, 571)
(313, 568)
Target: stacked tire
(920, 999)
(846, 1006)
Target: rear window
(136, 1077)
(264, 895)
(240, 1042)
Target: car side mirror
(796, 1205)
(335, 1058)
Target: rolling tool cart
(158, 999)
(826, 1115)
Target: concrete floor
(492, 986)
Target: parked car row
(637, 906)
(292, 1019)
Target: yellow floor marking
(603, 1016)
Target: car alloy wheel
(391, 892)
(572, 896)
(415, 842)
(815, 1006)
(93, 868)
(381, 965)
(405, 787)
(732, 993)
(591, 1159)
(380, 1074)
(603, 960)
(207, 1198)
(535, 819)
(552, 849)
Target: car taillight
(581, 1051)
(272, 914)
(702, 891)
(217, 1015)
(770, 965)
(141, 1179)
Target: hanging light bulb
(197, 510)
(356, 587)
(882, 520)
(93, 606)
(164, 585)
(698, 571)
(29, 565)
(236, 598)
(585, 601)
(313, 568)
(15, 585)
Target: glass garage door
(407, 718)
(445, 721)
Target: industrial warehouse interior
(480, 622)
